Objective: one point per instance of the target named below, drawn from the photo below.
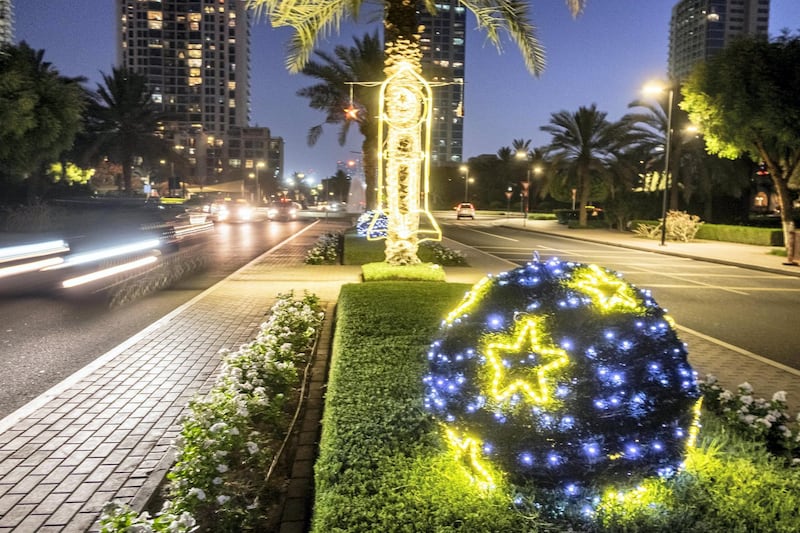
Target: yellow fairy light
(469, 300)
(528, 338)
(404, 169)
(469, 449)
(607, 291)
(694, 429)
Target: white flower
(746, 388)
(194, 491)
(779, 396)
(217, 481)
(219, 426)
(252, 447)
(222, 499)
(747, 400)
(222, 468)
(186, 520)
(765, 422)
(748, 419)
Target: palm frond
(310, 19)
(511, 16)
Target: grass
(387, 272)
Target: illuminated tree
(312, 19)
(745, 101)
(362, 62)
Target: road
(753, 310)
(46, 338)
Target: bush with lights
(378, 228)
(565, 377)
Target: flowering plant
(765, 420)
(228, 437)
(326, 250)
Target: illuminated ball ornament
(564, 375)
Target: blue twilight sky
(603, 57)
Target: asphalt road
(44, 338)
(753, 310)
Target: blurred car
(333, 207)
(465, 210)
(231, 210)
(283, 211)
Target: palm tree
(40, 114)
(650, 126)
(362, 62)
(312, 19)
(123, 123)
(583, 147)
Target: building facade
(443, 44)
(195, 56)
(700, 28)
(6, 22)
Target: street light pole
(259, 165)
(667, 179)
(465, 170)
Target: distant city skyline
(602, 57)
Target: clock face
(565, 375)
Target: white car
(465, 210)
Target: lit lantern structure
(404, 166)
(562, 375)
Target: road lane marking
(492, 235)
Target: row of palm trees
(597, 157)
(49, 118)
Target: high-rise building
(700, 28)
(6, 22)
(195, 56)
(443, 44)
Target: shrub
(229, 437)
(741, 234)
(327, 249)
(681, 226)
(387, 272)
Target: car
(230, 210)
(465, 210)
(283, 210)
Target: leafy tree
(312, 19)
(584, 148)
(40, 114)
(746, 101)
(123, 124)
(362, 62)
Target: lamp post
(259, 165)
(650, 89)
(526, 185)
(465, 170)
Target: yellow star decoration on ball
(467, 451)
(608, 292)
(528, 340)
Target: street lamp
(521, 154)
(465, 170)
(259, 165)
(658, 89)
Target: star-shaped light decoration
(529, 342)
(351, 112)
(608, 292)
(469, 450)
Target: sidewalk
(104, 433)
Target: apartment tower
(195, 55)
(6, 23)
(443, 43)
(700, 28)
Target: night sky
(603, 57)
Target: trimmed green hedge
(741, 234)
(730, 233)
(382, 464)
